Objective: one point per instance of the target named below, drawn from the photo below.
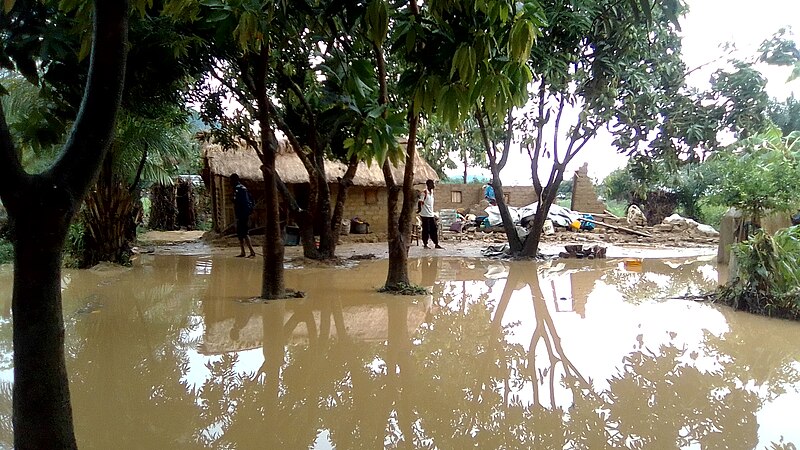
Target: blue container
(292, 236)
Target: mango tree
(602, 65)
(41, 206)
(446, 56)
(236, 96)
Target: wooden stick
(611, 214)
(617, 227)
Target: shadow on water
(573, 354)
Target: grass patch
(617, 207)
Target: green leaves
(757, 174)
(377, 21)
(521, 40)
(464, 63)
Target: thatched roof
(245, 162)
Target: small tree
(758, 174)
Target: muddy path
(455, 245)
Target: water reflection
(573, 354)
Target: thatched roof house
(366, 199)
(246, 163)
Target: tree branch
(139, 169)
(93, 131)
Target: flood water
(169, 354)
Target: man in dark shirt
(242, 208)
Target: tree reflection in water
(459, 382)
(476, 373)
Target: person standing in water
(425, 210)
(242, 208)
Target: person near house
(425, 210)
(488, 193)
(242, 208)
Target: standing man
(242, 208)
(425, 210)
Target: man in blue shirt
(488, 194)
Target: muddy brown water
(170, 354)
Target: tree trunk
(329, 248)
(400, 226)
(530, 247)
(42, 413)
(398, 250)
(272, 285)
(41, 208)
(508, 225)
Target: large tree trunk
(400, 226)
(530, 247)
(398, 251)
(508, 225)
(272, 280)
(42, 412)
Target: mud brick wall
(369, 205)
(471, 196)
(584, 194)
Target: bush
(769, 275)
(75, 245)
(711, 214)
(6, 251)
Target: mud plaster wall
(366, 203)
(584, 193)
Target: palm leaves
(164, 144)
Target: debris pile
(579, 251)
(677, 224)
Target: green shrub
(711, 214)
(75, 247)
(6, 251)
(768, 281)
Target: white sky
(708, 25)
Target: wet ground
(560, 354)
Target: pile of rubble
(681, 225)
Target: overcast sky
(708, 25)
